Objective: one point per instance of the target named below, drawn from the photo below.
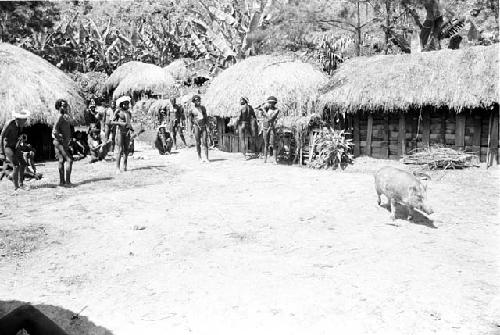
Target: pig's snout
(427, 210)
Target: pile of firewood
(439, 157)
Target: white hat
(24, 114)
(122, 99)
(163, 125)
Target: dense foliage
(100, 35)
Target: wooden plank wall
(392, 134)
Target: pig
(402, 187)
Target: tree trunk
(358, 30)
(387, 25)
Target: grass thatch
(293, 82)
(120, 73)
(28, 81)
(179, 70)
(146, 78)
(465, 78)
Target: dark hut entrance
(40, 137)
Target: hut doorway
(40, 137)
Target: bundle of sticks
(439, 157)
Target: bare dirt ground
(239, 247)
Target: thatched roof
(179, 69)
(293, 82)
(120, 73)
(28, 81)
(465, 78)
(146, 78)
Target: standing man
(199, 120)
(9, 146)
(269, 114)
(177, 122)
(123, 125)
(244, 124)
(61, 133)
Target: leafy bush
(91, 83)
(334, 149)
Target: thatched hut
(402, 102)
(137, 79)
(294, 83)
(120, 73)
(151, 80)
(179, 69)
(28, 81)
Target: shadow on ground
(83, 182)
(416, 217)
(71, 322)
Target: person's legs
(68, 160)
(274, 143)
(266, 143)
(27, 317)
(204, 138)
(197, 137)
(22, 167)
(11, 156)
(173, 133)
(126, 150)
(254, 132)
(242, 133)
(118, 150)
(181, 135)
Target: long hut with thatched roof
(136, 79)
(294, 83)
(401, 102)
(29, 82)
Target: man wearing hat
(122, 121)
(199, 120)
(9, 146)
(244, 124)
(269, 114)
(61, 133)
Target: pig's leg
(393, 208)
(378, 198)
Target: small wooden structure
(294, 83)
(395, 104)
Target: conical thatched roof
(293, 82)
(120, 73)
(28, 81)
(465, 78)
(146, 78)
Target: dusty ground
(239, 247)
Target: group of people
(247, 123)
(112, 130)
(17, 153)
